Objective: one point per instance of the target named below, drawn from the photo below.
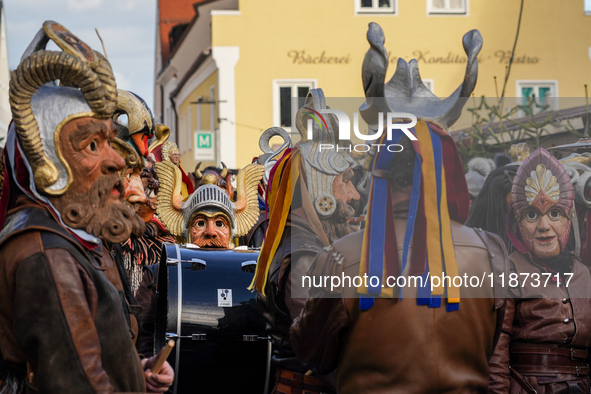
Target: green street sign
(204, 140)
(204, 145)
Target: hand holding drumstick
(158, 373)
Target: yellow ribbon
(430, 198)
(279, 205)
(449, 254)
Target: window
(588, 7)
(284, 107)
(375, 7)
(435, 7)
(540, 95)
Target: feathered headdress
(541, 183)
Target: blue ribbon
(438, 156)
(378, 219)
(412, 213)
(438, 161)
(365, 303)
(424, 292)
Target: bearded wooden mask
(40, 111)
(65, 133)
(543, 197)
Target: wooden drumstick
(162, 356)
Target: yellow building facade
(258, 53)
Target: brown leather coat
(297, 250)
(398, 346)
(561, 319)
(61, 319)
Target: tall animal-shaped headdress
(438, 194)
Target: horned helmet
(177, 215)
(40, 108)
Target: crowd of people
(87, 203)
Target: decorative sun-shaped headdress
(541, 183)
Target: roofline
(189, 26)
(203, 56)
(508, 125)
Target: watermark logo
(344, 132)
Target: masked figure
(254, 238)
(140, 183)
(65, 319)
(546, 329)
(220, 177)
(170, 152)
(140, 122)
(300, 225)
(208, 218)
(489, 209)
(137, 256)
(131, 142)
(141, 257)
(373, 333)
(577, 167)
(139, 117)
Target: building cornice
(201, 65)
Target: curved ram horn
(224, 172)
(198, 173)
(161, 132)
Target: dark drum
(203, 302)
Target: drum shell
(220, 360)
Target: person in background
(546, 330)
(300, 225)
(489, 209)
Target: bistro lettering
(301, 57)
(505, 56)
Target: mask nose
(134, 192)
(210, 230)
(544, 225)
(352, 193)
(112, 162)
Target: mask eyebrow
(348, 175)
(87, 130)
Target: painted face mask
(210, 229)
(542, 196)
(64, 135)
